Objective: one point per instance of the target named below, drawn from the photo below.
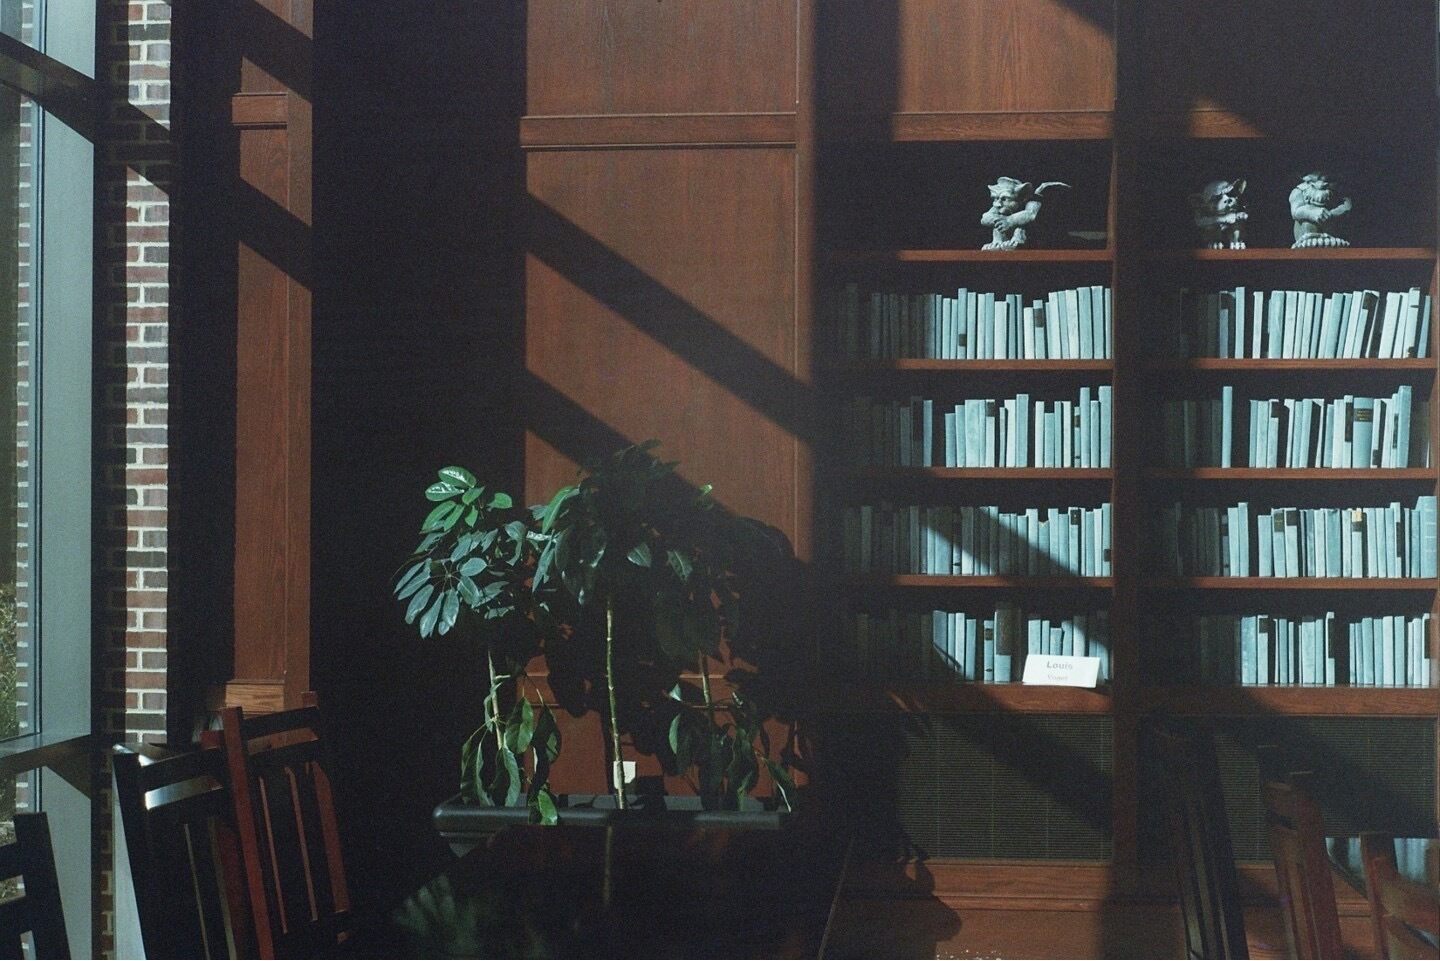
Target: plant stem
(494, 692)
(705, 687)
(617, 770)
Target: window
(46, 336)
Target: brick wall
(136, 174)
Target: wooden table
(628, 892)
(1415, 858)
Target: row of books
(1071, 324)
(985, 648)
(1240, 322)
(1390, 541)
(1010, 432)
(1386, 651)
(977, 541)
(1350, 431)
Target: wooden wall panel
(1215, 55)
(886, 56)
(660, 303)
(676, 56)
(271, 117)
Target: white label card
(1064, 671)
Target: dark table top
(1415, 858)
(628, 892)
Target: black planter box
(463, 826)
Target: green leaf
(673, 735)
(781, 776)
(547, 735)
(435, 520)
(512, 768)
(441, 491)
(427, 621)
(412, 581)
(680, 564)
(468, 591)
(472, 517)
(500, 501)
(552, 510)
(463, 545)
(472, 567)
(418, 602)
(640, 555)
(450, 612)
(458, 476)
(522, 728)
(453, 517)
(472, 495)
(545, 807)
(489, 592)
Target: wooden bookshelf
(1022, 256)
(1249, 475)
(1090, 474)
(954, 696)
(1213, 700)
(973, 368)
(1291, 584)
(1241, 365)
(1286, 254)
(999, 582)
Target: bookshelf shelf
(1022, 256)
(989, 473)
(1385, 475)
(1001, 582)
(957, 696)
(972, 125)
(1414, 584)
(1279, 254)
(1240, 365)
(972, 367)
(1356, 701)
(1257, 123)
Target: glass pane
(19, 236)
(21, 19)
(18, 795)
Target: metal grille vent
(1374, 773)
(990, 786)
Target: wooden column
(271, 117)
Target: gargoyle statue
(1220, 214)
(1317, 207)
(1013, 207)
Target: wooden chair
(1200, 841)
(279, 768)
(180, 838)
(38, 911)
(1405, 916)
(1302, 869)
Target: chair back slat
(1405, 916)
(38, 911)
(1200, 841)
(1302, 868)
(184, 856)
(279, 766)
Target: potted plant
(628, 585)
